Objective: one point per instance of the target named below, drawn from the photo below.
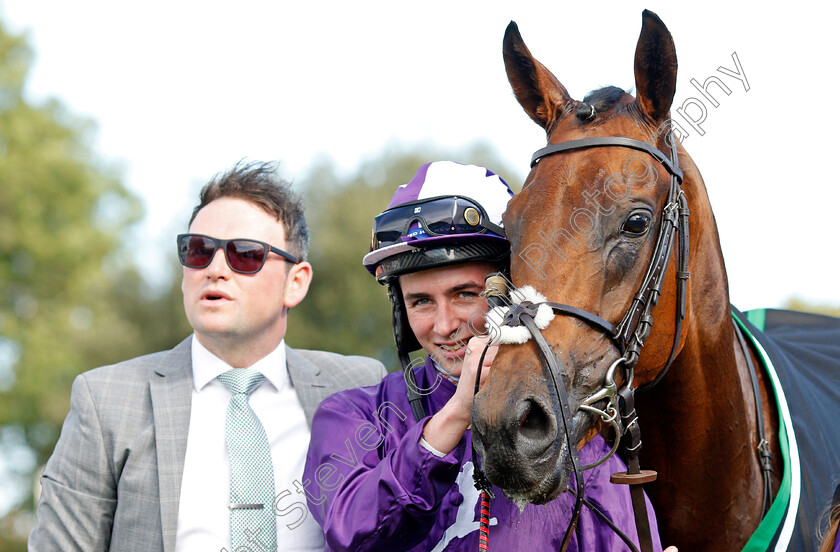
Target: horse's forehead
(585, 168)
(562, 178)
(559, 181)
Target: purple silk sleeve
(372, 486)
(366, 497)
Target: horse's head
(583, 231)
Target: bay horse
(583, 232)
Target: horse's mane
(601, 99)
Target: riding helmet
(448, 213)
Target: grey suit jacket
(114, 479)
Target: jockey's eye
(636, 225)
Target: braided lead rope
(479, 478)
(484, 523)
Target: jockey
(390, 467)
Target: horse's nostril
(534, 423)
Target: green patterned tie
(252, 522)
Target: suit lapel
(171, 393)
(306, 379)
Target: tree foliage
(798, 304)
(70, 298)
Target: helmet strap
(405, 341)
(415, 399)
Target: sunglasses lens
(196, 251)
(246, 256)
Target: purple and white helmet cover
(446, 178)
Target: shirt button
(456, 498)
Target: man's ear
(297, 284)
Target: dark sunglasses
(242, 256)
(439, 216)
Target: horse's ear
(537, 90)
(655, 68)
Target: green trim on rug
(757, 318)
(769, 526)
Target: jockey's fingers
(477, 343)
(477, 346)
(491, 354)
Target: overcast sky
(181, 90)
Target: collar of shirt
(207, 367)
(444, 372)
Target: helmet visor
(437, 216)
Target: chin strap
(415, 398)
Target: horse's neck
(698, 429)
(698, 425)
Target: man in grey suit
(142, 462)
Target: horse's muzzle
(520, 446)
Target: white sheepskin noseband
(518, 334)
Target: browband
(609, 141)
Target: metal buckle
(609, 414)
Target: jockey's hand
(465, 392)
(670, 549)
(446, 428)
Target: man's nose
(447, 322)
(218, 267)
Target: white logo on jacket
(465, 522)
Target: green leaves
(69, 298)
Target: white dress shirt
(203, 514)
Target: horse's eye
(636, 225)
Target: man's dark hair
(257, 182)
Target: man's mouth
(456, 348)
(215, 296)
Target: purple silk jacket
(372, 486)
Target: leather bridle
(629, 336)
